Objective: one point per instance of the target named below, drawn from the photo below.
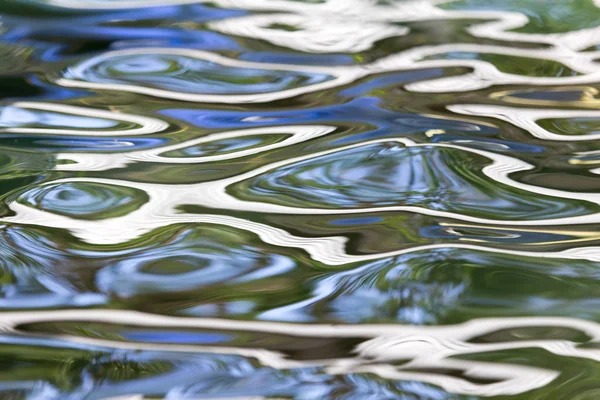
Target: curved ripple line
(424, 346)
(103, 162)
(526, 118)
(516, 379)
(162, 207)
(505, 22)
(341, 76)
(484, 75)
(428, 349)
(501, 27)
(587, 98)
(327, 250)
(314, 33)
(329, 286)
(148, 125)
(580, 62)
(502, 166)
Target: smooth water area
(300, 199)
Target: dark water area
(295, 199)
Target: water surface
(296, 199)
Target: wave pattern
(299, 199)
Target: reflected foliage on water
(299, 199)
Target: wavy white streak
(164, 200)
(147, 125)
(243, 4)
(103, 162)
(499, 28)
(580, 62)
(484, 74)
(425, 346)
(515, 379)
(442, 333)
(366, 11)
(340, 76)
(327, 250)
(316, 33)
(526, 118)
(497, 25)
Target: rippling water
(300, 199)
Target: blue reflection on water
(364, 110)
(175, 337)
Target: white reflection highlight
(354, 25)
(339, 76)
(497, 25)
(162, 208)
(484, 73)
(525, 118)
(425, 347)
(314, 33)
(103, 162)
(146, 125)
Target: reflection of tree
(416, 289)
(449, 286)
(61, 372)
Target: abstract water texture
(300, 199)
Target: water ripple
(83, 200)
(299, 199)
(387, 175)
(27, 117)
(184, 74)
(311, 33)
(423, 350)
(193, 260)
(211, 148)
(164, 199)
(527, 119)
